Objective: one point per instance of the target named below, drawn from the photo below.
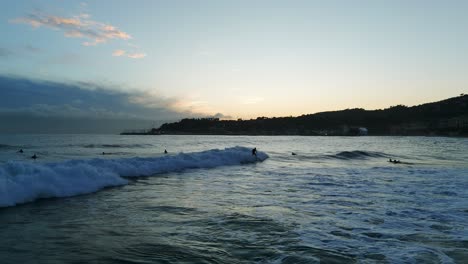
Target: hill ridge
(448, 117)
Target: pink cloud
(80, 26)
(118, 53)
(136, 55)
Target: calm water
(337, 201)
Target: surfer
(254, 152)
(165, 151)
(34, 156)
(294, 154)
(20, 151)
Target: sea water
(338, 200)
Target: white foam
(22, 182)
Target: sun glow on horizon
(242, 59)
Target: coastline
(302, 135)
(448, 118)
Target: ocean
(338, 200)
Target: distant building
(354, 131)
(362, 131)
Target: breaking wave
(22, 182)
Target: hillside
(447, 117)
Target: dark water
(337, 201)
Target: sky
(136, 64)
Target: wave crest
(22, 182)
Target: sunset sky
(163, 60)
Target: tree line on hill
(447, 117)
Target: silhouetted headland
(444, 118)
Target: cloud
(25, 101)
(118, 53)
(222, 116)
(136, 55)
(79, 26)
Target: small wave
(358, 154)
(117, 145)
(343, 155)
(5, 146)
(22, 182)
